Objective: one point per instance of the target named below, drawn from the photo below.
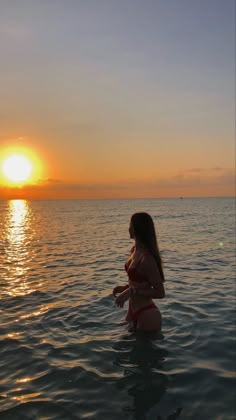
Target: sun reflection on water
(18, 234)
(18, 210)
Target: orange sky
(104, 109)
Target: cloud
(199, 170)
(44, 181)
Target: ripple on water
(64, 350)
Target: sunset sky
(118, 98)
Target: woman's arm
(119, 289)
(157, 291)
(139, 285)
(123, 297)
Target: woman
(145, 276)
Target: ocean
(65, 352)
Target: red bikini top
(135, 275)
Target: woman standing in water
(145, 276)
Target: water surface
(64, 350)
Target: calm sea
(64, 350)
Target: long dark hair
(144, 231)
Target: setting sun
(22, 171)
(17, 168)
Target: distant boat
(181, 198)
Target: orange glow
(19, 167)
(64, 174)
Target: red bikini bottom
(134, 314)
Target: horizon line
(116, 198)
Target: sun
(17, 168)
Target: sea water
(65, 352)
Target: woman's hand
(123, 297)
(118, 289)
